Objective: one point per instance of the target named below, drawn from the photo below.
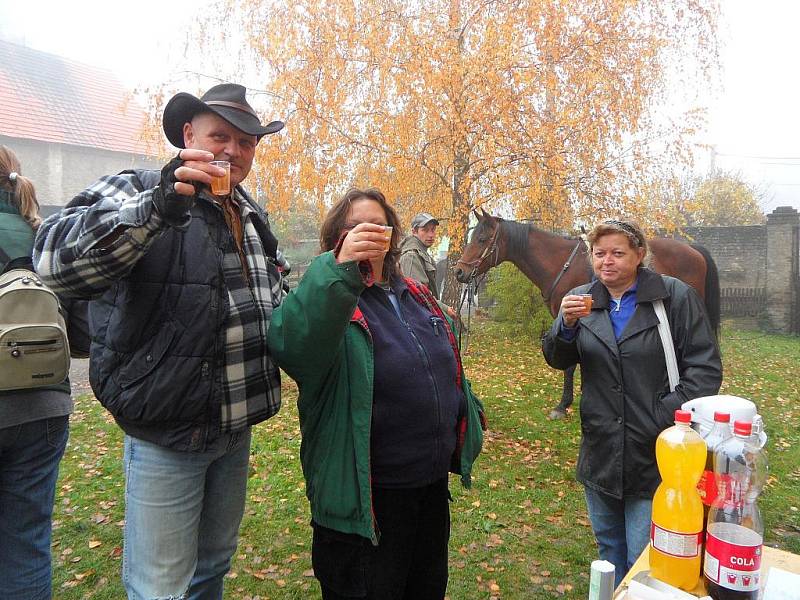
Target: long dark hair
(333, 225)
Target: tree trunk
(451, 288)
(451, 292)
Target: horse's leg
(560, 411)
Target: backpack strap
(5, 259)
(666, 341)
(23, 262)
(18, 262)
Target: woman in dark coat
(626, 400)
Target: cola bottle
(735, 531)
(707, 486)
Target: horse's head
(482, 251)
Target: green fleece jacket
(322, 341)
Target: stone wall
(762, 261)
(60, 171)
(740, 253)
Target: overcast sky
(753, 120)
(754, 123)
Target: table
(771, 557)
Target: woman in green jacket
(385, 411)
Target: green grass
(521, 532)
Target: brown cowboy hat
(226, 100)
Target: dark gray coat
(625, 398)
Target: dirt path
(79, 376)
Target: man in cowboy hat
(183, 284)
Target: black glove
(172, 206)
(283, 263)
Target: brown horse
(557, 264)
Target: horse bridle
(472, 284)
(491, 248)
(564, 269)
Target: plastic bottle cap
(742, 427)
(722, 417)
(683, 416)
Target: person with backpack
(385, 409)
(183, 283)
(34, 422)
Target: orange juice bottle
(676, 533)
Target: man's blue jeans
(621, 528)
(182, 516)
(29, 457)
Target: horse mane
(517, 236)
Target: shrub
(517, 300)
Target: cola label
(675, 543)
(733, 560)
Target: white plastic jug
(740, 409)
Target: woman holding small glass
(385, 410)
(626, 399)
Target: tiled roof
(53, 99)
